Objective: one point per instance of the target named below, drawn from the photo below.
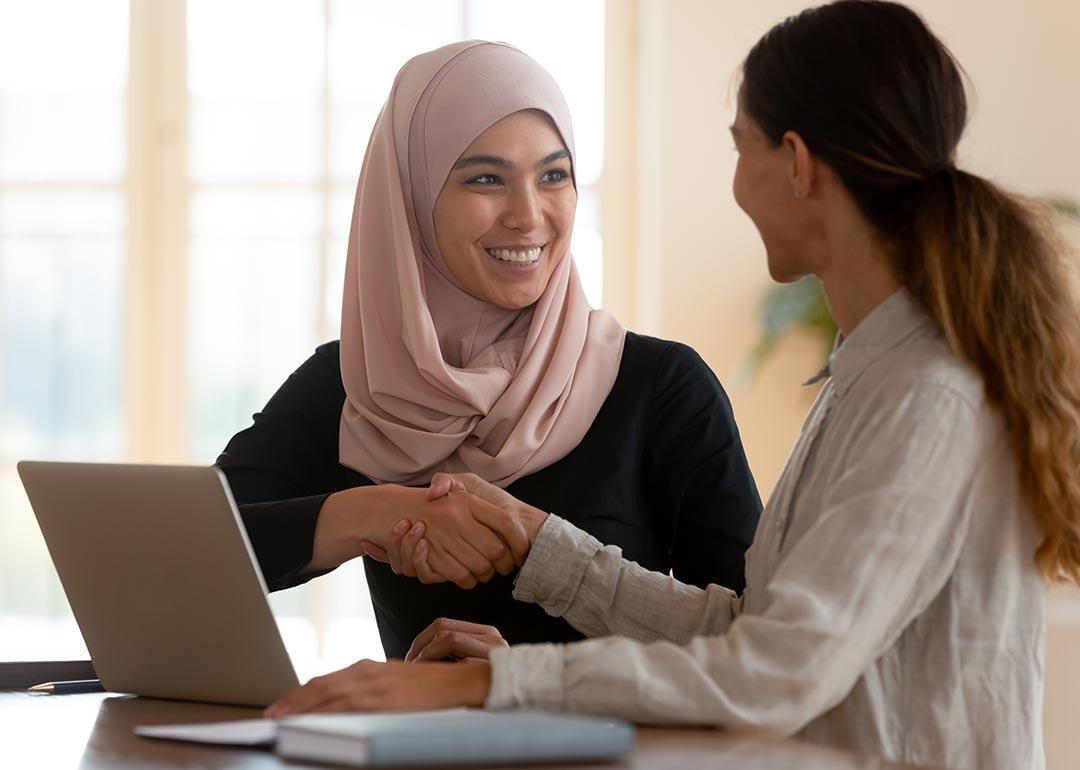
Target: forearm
(572, 575)
(711, 681)
(348, 517)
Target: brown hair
(876, 96)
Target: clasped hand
(447, 546)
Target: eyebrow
(498, 162)
(483, 160)
(557, 155)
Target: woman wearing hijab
(467, 345)
(893, 601)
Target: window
(156, 288)
(62, 261)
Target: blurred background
(176, 183)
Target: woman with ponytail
(894, 599)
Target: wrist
(532, 519)
(348, 517)
(475, 685)
(334, 543)
(378, 509)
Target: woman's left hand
(458, 639)
(391, 686)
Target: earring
(798, 194)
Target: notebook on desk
(162, 580)
(458, 738)
(451, 737)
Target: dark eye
(484, 179)
(555, 175)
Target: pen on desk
(71, 686)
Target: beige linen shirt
(892, 605)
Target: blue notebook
(452, 737)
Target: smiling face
(504, 217)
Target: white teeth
(507, 255)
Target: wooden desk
(94, 732)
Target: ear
(802, 169)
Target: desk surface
(93, 732)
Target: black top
(661, 473)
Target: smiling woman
(468, 343)
(517, 208)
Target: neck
(858, 275)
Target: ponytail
(876, 96)
(982, 263)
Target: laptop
(161, 578)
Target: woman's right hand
(408, 552)
(468, 539)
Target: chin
(784, 268)
(515, 296)
(517, 303)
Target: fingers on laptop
(391, 686)
(342, 690)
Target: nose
(523, 209)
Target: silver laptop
(162, 580)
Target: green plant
(1065, 206)
(801, 305)
(789, 306)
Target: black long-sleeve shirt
(661, 473)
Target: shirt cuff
(282, 535)
(555, 566)
(526, 676)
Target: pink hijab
(436, 379)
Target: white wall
(683, 262)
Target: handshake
(461, 529)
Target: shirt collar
(884, 328)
